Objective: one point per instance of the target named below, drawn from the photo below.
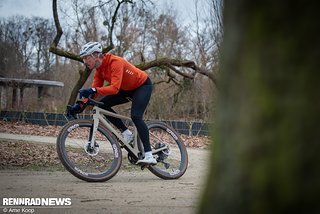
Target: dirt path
(128, 192)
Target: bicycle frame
(98, 116)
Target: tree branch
(178, 63)
(189, 76)
(113, 21)
(57, 24)
(64, 53)
(54, 45)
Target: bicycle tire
(173, 140)
(70, 134)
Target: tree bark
(265, 156)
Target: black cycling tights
(140, 98)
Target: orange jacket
(119, 73)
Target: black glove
(86, 92)
(77, 108)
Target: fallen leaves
(24, 154)
(200, 142)
(29, 129)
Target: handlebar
(72, 111)
(93, 102)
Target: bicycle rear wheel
(172, 161)
(96, 164)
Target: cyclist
(127, 83)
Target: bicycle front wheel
(173, 157)
(96, 164)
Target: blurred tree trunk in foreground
(266, 143)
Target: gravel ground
(130, 191)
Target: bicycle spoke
(169, 151)
(96, 162)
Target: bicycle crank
(132, 159)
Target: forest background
(179, 54)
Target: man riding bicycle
(127, 83)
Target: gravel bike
(91, 149)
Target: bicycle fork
(93, 132)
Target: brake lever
(71, 115)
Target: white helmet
(90, 48)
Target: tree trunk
(266, 144)
(84, 74)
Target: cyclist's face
(90, 61)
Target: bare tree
(173, 64)
(15, 33)
(41, 39)
(29, 40)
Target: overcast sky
(42, 8)
(29, 8)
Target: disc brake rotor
(91, 151)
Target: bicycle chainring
(132, 159)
